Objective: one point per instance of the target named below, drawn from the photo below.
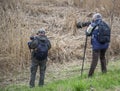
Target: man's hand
(31, 37)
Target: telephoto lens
(79, 25)
(83, 24)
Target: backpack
(41, 52)
(104, 31)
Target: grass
(99, 82)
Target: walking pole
(85, 45)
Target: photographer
(40, 46)
(100, 38)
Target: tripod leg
(85, 46)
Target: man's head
(41, 32)
(97, 16)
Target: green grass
(99, 82)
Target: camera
(83, 24)
(32, 37)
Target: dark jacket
(95, 43)
(34, 43)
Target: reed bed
(21, 19)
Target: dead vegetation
(20, 19)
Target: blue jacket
(95, 43)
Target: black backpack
(41, 51)
(104, 31)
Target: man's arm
(33, 43)
(83, 24)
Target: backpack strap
(90, 29)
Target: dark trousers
(34, 66)
(95, 55)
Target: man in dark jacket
(98, 49)
(33, 44)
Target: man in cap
(40, 46)
(98, 49)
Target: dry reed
(19, 20)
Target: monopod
(85, 46)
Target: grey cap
(42, 31)
(97, 16)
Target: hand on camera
(31, 37)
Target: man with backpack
(39, 45)
(100, 38)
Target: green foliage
(99, 82)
